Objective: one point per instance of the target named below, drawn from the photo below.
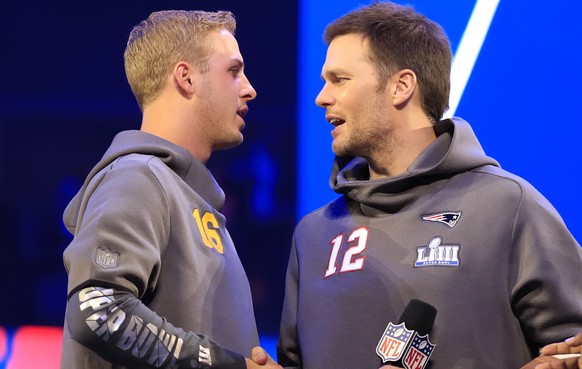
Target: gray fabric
(456, 231)
(134, 230)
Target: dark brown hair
(400, 38)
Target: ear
(184, 76)
(403, 86)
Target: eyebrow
(239, 63)
(332, 73)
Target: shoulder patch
(105, 258)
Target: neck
(406, 145)
(174, 123)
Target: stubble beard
(368, 138)
(217, 127)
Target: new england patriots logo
(449, 218)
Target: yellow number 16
(208, 226)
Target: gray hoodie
(481, 245)
(154, 278)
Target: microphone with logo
(406, 344)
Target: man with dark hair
(423, 214)
(154, 278)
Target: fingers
(572, 345)
(576, 340)
(559, 348)
(259, 355)
(541, 362)
(571, 363)
(260, 358)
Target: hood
(177, 158)
(455, 150)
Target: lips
(334, 120)
(337, 122)
(243, 111)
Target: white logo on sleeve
(437, 254)
(204, 355)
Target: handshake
(260, 359)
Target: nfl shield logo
(418, 353)
(393, 342)
(106, 258)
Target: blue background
(522, 99)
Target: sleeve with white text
(121, 329)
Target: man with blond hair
(154, 280)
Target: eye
(338, 80)
(234, 71)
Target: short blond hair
(156, 44)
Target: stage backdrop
(516, 80)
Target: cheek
(226, 87)
(366, 111)
(354, 105)
(353, 97)
(230, 93)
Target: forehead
(347, 51)
(223, 45)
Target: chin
(338, 149)
(345, 151)
(225, 145)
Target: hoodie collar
(455, 150)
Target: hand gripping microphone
(406, 344)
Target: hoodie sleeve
(288, 351)
(547, 262)
(113, 263)
(121, 228)
(121, 329)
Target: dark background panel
(63, 97)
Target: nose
(324, 98)
(247, 90)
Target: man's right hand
(260, 359)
